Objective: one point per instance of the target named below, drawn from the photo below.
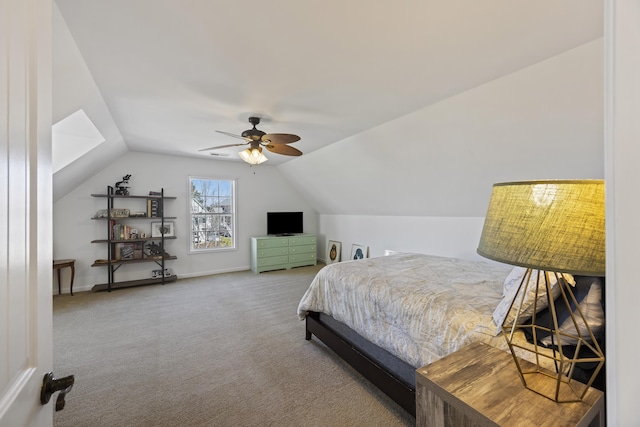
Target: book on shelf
(120, 231)
(154, 208)
(123, 232)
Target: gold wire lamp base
(548, 371)
(550, 225)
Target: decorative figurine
(155, 249)
(121, 188)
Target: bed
(390, 315)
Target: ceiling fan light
(253, 156)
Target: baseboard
(209, 273)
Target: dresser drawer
(302, 249)
(302, 240)
(274, 260)
(304, 258)
(275, 242)
(269, 252)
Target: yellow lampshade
(553, 225)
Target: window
(73, 137)
(213, 225)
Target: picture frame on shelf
(156, 229)
(334, 251)
(119, 213)
(125, 251)
(359, 251)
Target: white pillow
(591, 307)
(511, 284)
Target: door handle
(50, 385)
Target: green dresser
(282, 252)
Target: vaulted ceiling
(170, 73)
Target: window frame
(191, 215)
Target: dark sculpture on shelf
(121, 189)
(155, 249)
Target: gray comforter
(418, 307)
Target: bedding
(417, 307)
(506, 312)
(388, 316)
(588, 293)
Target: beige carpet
(223, 350)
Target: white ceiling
(172, 72)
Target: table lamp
(554, 227)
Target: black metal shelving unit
(112, 264)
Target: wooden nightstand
(479, 386)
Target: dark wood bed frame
(377, 374)
(383, 377)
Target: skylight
(73, 137)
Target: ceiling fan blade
(233, 135)
(222, 146)
(279, 138)
(283, 149)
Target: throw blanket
(418, 307)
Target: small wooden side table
(479, 386)
(62, 263)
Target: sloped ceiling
(74, 89)
(542, 122)
(168, 74)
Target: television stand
(282, 252)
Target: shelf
(118, 196)
(159, 218)
(133, 283)
(141, 239)
(132, 261)
(137, 244)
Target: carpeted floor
(222, 350)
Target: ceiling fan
(256, 139)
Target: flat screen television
(284, 223)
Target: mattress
(418, 307)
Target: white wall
(259, 189)
(445, 236)
(422, 182)
(622, 34)
(545, 121)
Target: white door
(25, 211)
